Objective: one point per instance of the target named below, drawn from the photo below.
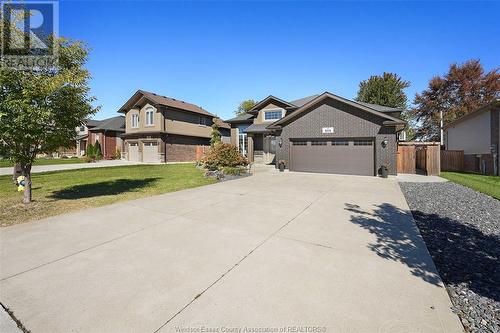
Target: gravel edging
(461, 228)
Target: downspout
(164, 113)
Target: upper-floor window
(273, 115)
(82, 128)
(203, 121)
(135, 120)
(150, 117)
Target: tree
(465, 88)
(387, 90)
(215, 135)
(41, 108)
(245, 106)
(97, 150)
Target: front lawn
(486, 184)
(63, 191)
(45, 161)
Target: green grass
(486, 184)
(45, 161)
(64, 191)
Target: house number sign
(327, 130)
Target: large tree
(386, 89)
(465, 88)
(41, 108)
(245, 106)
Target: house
(106, 131)
(164, 129)
(477, 134)
(320, 133)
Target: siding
(473, 135)
(348, 122)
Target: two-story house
(320, 133)
(163, 129)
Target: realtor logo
(29, 30)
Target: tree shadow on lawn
(462, 253)
(112, 187)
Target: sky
(216, 54)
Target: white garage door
(150, 152)
(133, 152)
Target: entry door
(243, 143)
(150, 152)
(133, 152)
(343, 156)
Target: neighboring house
(106, 131)
(320, 133)
(163, 129)
(477, 134)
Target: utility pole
(441, 125)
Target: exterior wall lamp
(384, 143)
(280, 142)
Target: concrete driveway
(274, 252)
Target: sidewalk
(58, 167)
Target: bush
(97, 150)
(117, 155)
(235, 171)
(223, 155)
(90, 151)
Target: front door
(243, 143)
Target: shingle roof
(301, 101)
(92, 123)
(165, 101)
(221, 123)
(379, 108)
(111, 124)
(241, 117)
(256, 128)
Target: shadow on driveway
(462, 253)
(112, 187)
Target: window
(363, 143)
(135, 120)
(299, 143)
(318, 143)
(243, 143)
(340, 143)
(150, 144)
(150, 117)
(82, 128)
(203, 121)
(273, 115)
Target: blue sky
(216, 54)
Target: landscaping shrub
(98, 151)
(235, 171)
(223, 155)
(117, 155)
(90, 153)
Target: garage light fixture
(280, 142)
(384, 143)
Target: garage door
(150, 152)
(133, 152)
(345, 156)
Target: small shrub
(98, 151)
(235, 171)
(223, 155)
(90, 152)
(87, 159)
(117, 155)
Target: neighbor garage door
(133, 152)
(150, 152)
(346, 156)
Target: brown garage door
(346, 156)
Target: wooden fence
(418, 155)
(406, 159)
(452, 160)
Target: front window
(149, 118)
(135, 120)
(273, 115)
(243, 143)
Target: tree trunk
(26, 172)
(16, 173)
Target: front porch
(260, 148)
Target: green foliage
(90, 151)
(386, 90)
(117, 155)
(224, 155)
(465, 88)
(97, 151)
(41, 108)
(215, 136)
(236, 171)
(245, 106)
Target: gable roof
(474, 113)
(301, 101)
(221, 123)
(163, 101)
(379, 108)
(389, 119)
(268, 99)
(111, 124)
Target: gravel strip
(461, 228)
